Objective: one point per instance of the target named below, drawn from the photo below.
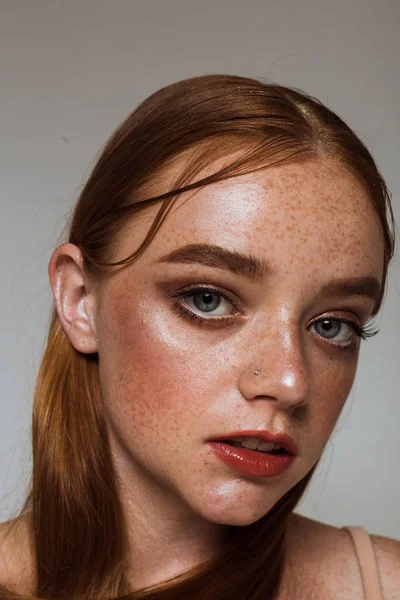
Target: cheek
(154, 379)
(333, 382)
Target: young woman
(224, 262)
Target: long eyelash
(362, 331)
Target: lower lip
(250, 462)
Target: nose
(276, 369)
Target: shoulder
(387, 552)
(16, 556)
(329, 563)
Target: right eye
(208, 301)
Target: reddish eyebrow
(220, 258)
(357, 286)
(256, 268)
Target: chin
(238, 517)
(233, 507)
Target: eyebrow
(256, 268)
(356, 286)
(220, 258)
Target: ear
(74, 297)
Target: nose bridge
(278, 368)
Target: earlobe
(73, 297)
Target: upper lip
(283, 439)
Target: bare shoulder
(16, 556)
(323, 560)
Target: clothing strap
(367, 560)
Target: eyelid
(363, 332)
(354, 324)
(359, 331)
(339, 315)
(354, 327)
(191, 290)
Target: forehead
(311, 213)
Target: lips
(279, 438)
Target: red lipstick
(253, 462)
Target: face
(179, 342)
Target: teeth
(267, 447)
(256, 444)
(251, 443)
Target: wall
(71, 71)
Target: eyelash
(361, 331)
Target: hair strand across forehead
(74, 507)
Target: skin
(169, 384)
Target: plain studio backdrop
(71, 71)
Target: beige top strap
(367, 560)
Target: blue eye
(207, 301)
(196, 302)
(340, 331)
(332, 329)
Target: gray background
(71, 71)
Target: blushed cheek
(146, 386)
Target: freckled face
(170, 383)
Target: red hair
(73, 507)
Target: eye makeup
(182, 309)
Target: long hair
(73, 508)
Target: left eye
(208, 301)
(333, 329)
